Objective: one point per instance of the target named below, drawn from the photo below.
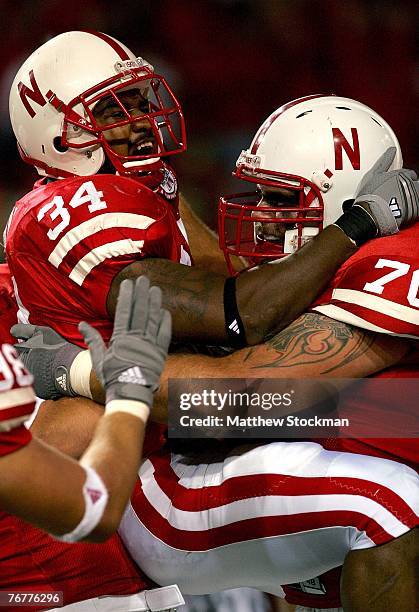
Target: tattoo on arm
(317, 340)
(193, 295)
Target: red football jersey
(17, 401)
(30, 559)
(8, 307)
(377, 289)
(67, 239)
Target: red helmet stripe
(267, 124)
(111, 41)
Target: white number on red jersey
(400, 269)
(12, 369)
(87, 192)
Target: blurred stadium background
(231, 63)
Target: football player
(73, 500)
(97, 123)
(280, 220)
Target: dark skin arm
(313, 346)
(194, 296)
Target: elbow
(262, 325)
(107, 527)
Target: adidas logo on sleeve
(132, 375)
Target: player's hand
(391, 197)
(130, 367)
(48, 357)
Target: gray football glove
(48, 357)
(131, 366)
(392, 198)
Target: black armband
(234, 324)
(357, 224)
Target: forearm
(314, 346)
(276, 294)
(58, 424)
(115, 453)
(43, 487)
(268, 298)
(53, 500)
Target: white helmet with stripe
(317, 148)
(54, 93)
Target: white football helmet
(53, 96)
(317, 148)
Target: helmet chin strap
(291, 238)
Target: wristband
(96, 497)
(80, 371)
(233, 323)
(138, 409)
(357, 224)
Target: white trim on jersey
(245, 509)
(340, 314)
(185, 258)
(378, 304)
(9, 424)
(182, 228)
(29, 420)
(22, 313)
(16, 397)
(99, 254)
(93, 226)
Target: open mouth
(145, 147)
(270, 232)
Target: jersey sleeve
(13, 440)
(80, 235)
(376, 293)
(17, 401)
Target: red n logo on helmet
(34, 94)
(352, 151)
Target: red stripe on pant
(261, 485)
(250, 529)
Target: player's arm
(101, 483)
(56, 419)
(313, 346)
(206, 308)
(55, 493)
(196, 297)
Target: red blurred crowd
(232, 62)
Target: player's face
(278, 199)
(275, 204)
(132, 139)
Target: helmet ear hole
(58, 146)
(347, 204)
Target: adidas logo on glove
(62, 381)
(133, 375)
(395, 208)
